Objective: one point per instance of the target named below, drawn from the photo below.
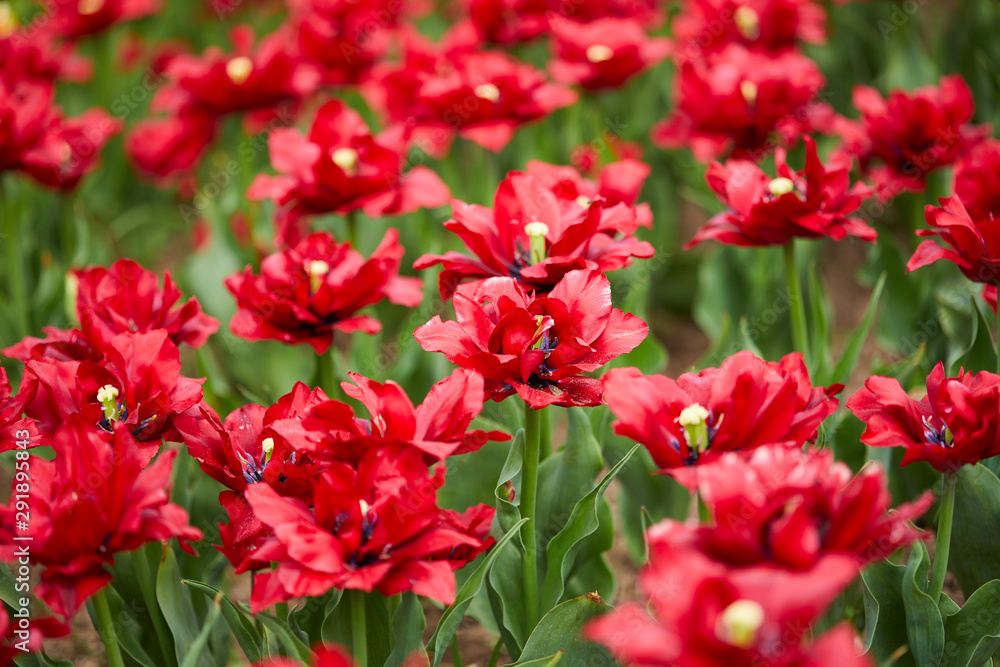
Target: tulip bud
(238, 69)
(536, 232)
(739, 622)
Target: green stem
(106, 629)
(352, 228)
(545, 448)
(359, 639)
(797, 307)
(943, 543)
(529, 490)
(456, 655)
(15, 265)
(329, 373)
(147, 582)
(496, 654)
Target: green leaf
(378, 629)
(453, 615)
(973, 557)
(549, 661)
(562, 549)
(239, 622)
(980, 352)
(408, 625)
(882, 586)
(924, 625)
(199, 647)
(852, 349)
(8, 590)
(175, 603)
(559, 631)
(972, 634)
(294, 646)
(819, 314)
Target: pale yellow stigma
(89, 7)
(317, 270)
(8, 20)
(267, 446)
(238, 69)
(781, 186)
(748, 22)
(739, 623)
(694, 420)
(107, 396)
(346, 159)
(584, 202)
(598, 53)
(748, 89)
(536, 232)
(487, 91)
(536, 228)
(365, 507)
(693, 415)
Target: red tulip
(744, 104)
(902, 138)
(604, 53)
(39, 56)
(617, 186)
(812, 203)
(977, 180)
(975, 245)
(15, 428)
(536, 346)
(341, 167)
(957, 422)
(514, 21)
(373, 527)
(77, 18)
(745, 403)
(329, 656)
(536, 235)
(767, 26)
(16, 640)
(168, 148)
(305, 293)
(96, 499)
(136, 383)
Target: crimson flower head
(702, 612)
(40, 56)
(515, 21)
(137, 383)
(792, 508)
(812, 203)
(14, 426)
(255, 445)
(742, 103)
(766, 26)
(438, 427)
(374, 526)
(341, 167)
(902, 138)
(975, 244)
(957, 422)
(603, 54)
(16, 641)
(96, 499)
(977, 180)
(536, 346)
(535, 235)
(165, 149)
(78, 18)
(304, 294)
(617, 185)
(743, 404)
(483, 96)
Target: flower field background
(499, 332)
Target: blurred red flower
(617, 187)
(515, 21)
(373, 527)
(604, 53)
(902, 138)
(170, 147)
(536, 346)
(975, 244)
(744, 104)
(40, 56)
(341, 167)
(977, 180)
(14, 426)
(812, 203)
(304, 294)
(96, 499)
(12, 634)
(536, 235)
(743, 404)
(767, 26)
(957, 422)
(78, 18)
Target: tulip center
(107, 396)
(694, 420)
(536, 232)
(781, 186)
(748, 22)
(317, 270)
(346, 159)
(739, 623)
(267, 449)
(238, 69)
(748, 89)
(598, 53)
(937, 433)
(8, 20)
(487, 91)
(89, 7)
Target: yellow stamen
(317, 270)
(107, 396)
